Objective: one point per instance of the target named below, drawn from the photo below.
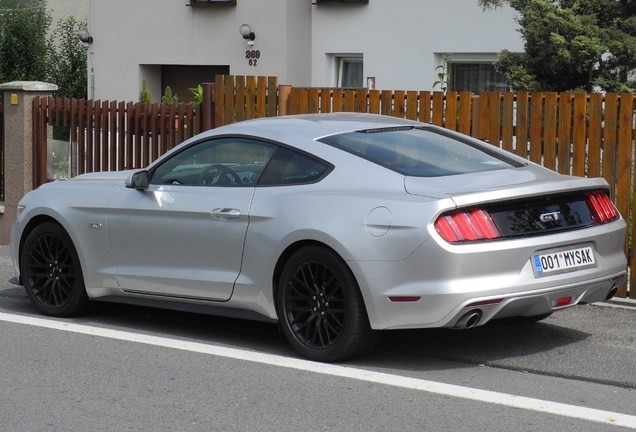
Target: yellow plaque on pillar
(14, 99)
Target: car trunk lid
(527, 202)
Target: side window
(289, 167)
(233, 162)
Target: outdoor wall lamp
(85, 36)
(247, 33)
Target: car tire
(51, 272)
(320, 307)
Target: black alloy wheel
(320, 307)
(51, 272)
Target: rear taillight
(467, 225)
(601, 207)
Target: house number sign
(252, 57)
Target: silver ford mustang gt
(334, 225)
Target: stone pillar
(18, 145)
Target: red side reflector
(563, 301)
(404, 298)
(468, 225)
(485, 303)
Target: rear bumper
(410, 315)
(496, 280)
(538, 303)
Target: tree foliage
(67, 60)
(144, 94)
(572, 45)
(23, 45)
(27, 55)
(13, 4)
(169, 97)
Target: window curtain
(351, 73)
(476, 77)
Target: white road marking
(509, 400)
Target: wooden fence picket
(595, 129)
(411, 105)
(609, 140)
(450, 111)
(579, 136)
(550, 130)
(521, 128)
(507, 123)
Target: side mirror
(138, 180)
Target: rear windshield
(419, 152)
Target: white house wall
(401, 39)
(62, 9)
(130, 35)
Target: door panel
(170, 240)
(184, 235)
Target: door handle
(225, 213)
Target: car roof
(312, 126)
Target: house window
(475, 77)
(349, 72)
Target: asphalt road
(124, 368)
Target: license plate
(564, 260)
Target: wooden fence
(573, 133)
(107, 135)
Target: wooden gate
(108, 135)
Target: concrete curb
(617, 302)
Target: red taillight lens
(468, 225)
(601, 206)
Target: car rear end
(508, 252)
(507, 237)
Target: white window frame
(468, 58)
(341, 61)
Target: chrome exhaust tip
(468, 320)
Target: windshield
(419, 152)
